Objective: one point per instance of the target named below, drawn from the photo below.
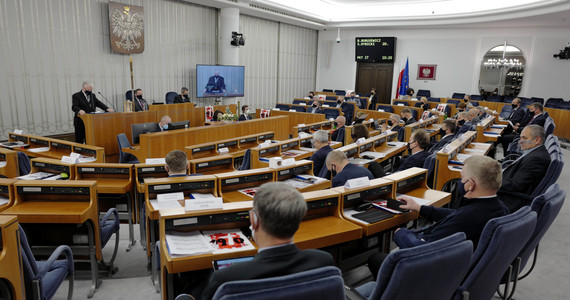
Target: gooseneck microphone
(106, 100)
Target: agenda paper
(187, 243)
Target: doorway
(375, 75)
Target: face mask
(390, 123)
(165, 126)
(515, 106)
(335, 124)
(310, 97)
(314, 105)
(460, 123)
(333, 171)
(465, 100)
(405, 120)
(139, 97)
(186, 96)
(338, 101)
(461, 188)
(441, 131)
(409, 147)
(247, 111)
(351, 97)
(87, 92)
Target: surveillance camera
(338, 40)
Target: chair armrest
(352, 294)
(111, 211)
(63, 249)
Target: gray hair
(463, 114)
(485, 171)
(280, 208)
(395, 117)
(184, 89)
(87, 83)
(536, 131)
(481, 109)
(321, 136)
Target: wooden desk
(7, 192)
(417, 125)
(296, 118)
(153, 187)
(61, 202)
(487, 134)
(312, 127)
(112, 180)
(413, 182)
(9, 163)
(322, 227)
(230, 183)
(158, 144)
(11, 269)
(55, 148)
(222, 163)
(301, 167)
(53, 166)
(177, 112)
(235, 145)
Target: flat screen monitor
(179, 125)
(138, 129)
(219, 81)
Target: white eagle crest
(426, 72)
(128, 27)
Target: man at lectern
(215, 84)
(83, 102)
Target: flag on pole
(403, 80)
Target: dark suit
(523, 176)
(338, 135)
(373, 102)
(88, 104)
(272, 262)
(319, 158)
(532, 120)
(400, 130)
(244, 117)
(214, 85)
(416, 160)
(410, 121)
(516, 115)
(350, 171)
(466, 127)
(138, 106)
(313, 110)
(348, 110)
(439, 145)
(528, 119)
(424, 106)
(180, 99)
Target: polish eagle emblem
(426, 72)
(128, 27)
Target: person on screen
(163, 125)
(215, 84)
(83, 102)
(275, 217)
(140, 103)
(244, 113)
(183, 97)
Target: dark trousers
(374, 262)
(79, 130)
(505, 140)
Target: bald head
(340, 121)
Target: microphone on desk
(106, 100)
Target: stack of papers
(292, 153)
(474, 150)
(168, 200)
(375, 155)
(396, 144)
(358, 161)
(296, 183)
(38, 150)
(4, 200)
(3, 164)
(87, 159)
(462, 157)
(187, 243)
(37, 176)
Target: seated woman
(217, 115)
(359, 131)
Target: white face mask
(247, 111)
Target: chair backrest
(547, 206)
(526, 102)
(129, 95)
(169, 98)
(431, 99)
(549, 126)
(327, 91)
(29, 264)
(299, 102)
(397, 102)
(499, 244)
(537, 99)
(340, 92)
(458, 95)
(245, 165)
(552, 174)
(506, 111)
(454, 102)
(564, 105)
(477, 97)
(298, 108)
(508, 99)
(331, 98)
(384, 107)
(24, 166)
(553, 102)
(284, 107)
(423, 93)
(494, 98)
(413, 273)
(321, 283)
(123, 142)
(474, 103)
(429, 165)
(330, 113)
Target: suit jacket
(272, 262)
(416, 160)
(216, 86)
(463, 129)
(523, 176)
(319, 158)
(538, 120)
(80, 102)
(348, 110)
(318, 110)
(180, 99)
(439, 145)
(138, 107)
(410, 121)
(516, 115)
(373, 102)
(350, 171)
(422, 105)
(338, 135)
(243, 117)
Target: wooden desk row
(235, 145)
(296, 118)
(376, 144)
(11, 271)
(326, 224)
(9, 163)
(55, 148)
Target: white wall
(457, 53)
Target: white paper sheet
(187, 243)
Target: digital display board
(375, 49)
(219, 81)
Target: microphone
(106, 100)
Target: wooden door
(375, 75)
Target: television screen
(375, 49)
(219, 81)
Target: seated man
(140, 102)
(517, 114)
(447, 132)
(163, 125)
(407, 116)
(482, 113)
(315, 108)
(481, 177)
(244, 113)
(418, 143)
(338, 134)
(342, 170)
(535, 116)
(525, 173)
(277, 212)
(393, 124)
(356, 100)
(311, 95)
(473, 117)
(183, 97)
(321, 143)
(176, 164)
(347, 109)
(461, 107)
(463, 123)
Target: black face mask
(314, 105)
(409, 148)
(333, 172)
(405, 120)
(465, 100)
(460, 123)
(441, 131)
(139, 97)
(390, 123)
(338, 101)
(185, 96)
(515, 106)
(87, 93)
(335, 124)
(310, 97)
